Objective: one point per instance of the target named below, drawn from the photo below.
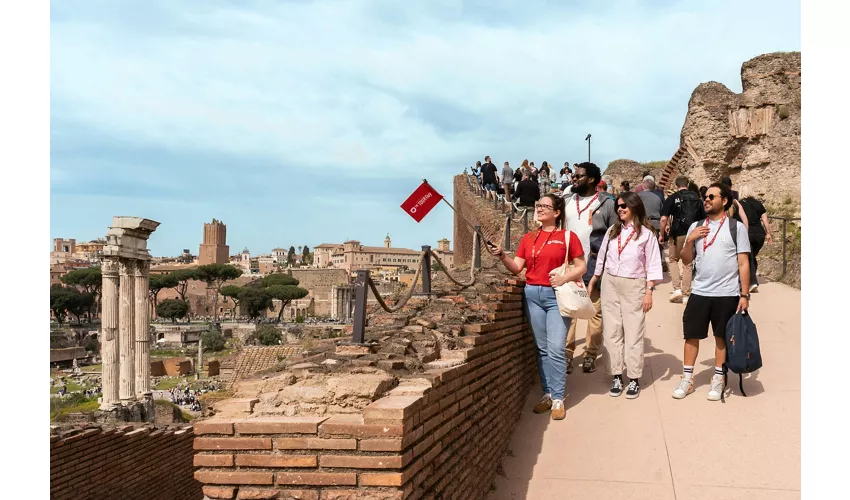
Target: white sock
(688, 372)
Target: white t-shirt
(717, 267)
(582, 224)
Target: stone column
(109, 332)
(126, 328)
(141, 322)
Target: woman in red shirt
(540, 252)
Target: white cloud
(390, 89)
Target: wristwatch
(746, 296)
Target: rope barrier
(401, 303)
(449, 276)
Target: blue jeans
(550, 335)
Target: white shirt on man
(717, 266)
(582, 224)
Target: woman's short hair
(746, 191)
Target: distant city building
(68, 250)
(351, 256)
(214, 249)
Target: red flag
(421, 202)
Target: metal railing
(785, 221)
(363, 283)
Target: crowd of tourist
(579, 216)
(189, 397)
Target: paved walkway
(659, 448)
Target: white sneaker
(676, 295)
(685, 299)
(716, 389)
(686, 386)
(754, 288)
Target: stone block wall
(439, 434)
(143, 464)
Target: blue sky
(301, 122)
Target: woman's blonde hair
(524, 163)
(746, 192)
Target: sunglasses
(579, 176)
(622, 206)
(710, 197)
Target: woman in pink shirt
(632, 266)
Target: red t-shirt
(544, 251)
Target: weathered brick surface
(444, 441)
(141, 464)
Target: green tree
(89, 279)
(172, 309)
(277, 279)
(290, 256)
(157, 283)
(285, 294)
(214, 275)
(255, 301)
(284, 288)
(267, 335)
(233, 292)
(182, 277)
(306, 258)
(213, 341)
(82, 304)
(92, 345)
(62, 300)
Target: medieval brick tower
(214, 249)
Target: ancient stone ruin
(126, 319)
(753, 137)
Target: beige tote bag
(573, 297)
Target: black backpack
(687, 208)
(742, 348)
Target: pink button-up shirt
(641, 257)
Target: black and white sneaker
(633, 390)
(616, 387)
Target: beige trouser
(507, 188)
(624, 323)
(674, 251)
(593, 337)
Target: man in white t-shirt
(589, 214)
(720, 287)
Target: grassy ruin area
(73, 403)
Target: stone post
(126, 329)
(109, 333)
(200, 358)
(141, 322)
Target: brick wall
(479, 211)
(441, 434)
(252, 359)
(144, 464)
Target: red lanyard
(580, 210)
(705, 242)
(533, 254)
(620, 247)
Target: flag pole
(464, 219)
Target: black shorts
(702, 311)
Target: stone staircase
(671, 170)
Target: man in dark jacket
(528, 192)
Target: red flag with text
(421, 202)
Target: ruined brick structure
(140, 464)
(441, 433)
(478, 211)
